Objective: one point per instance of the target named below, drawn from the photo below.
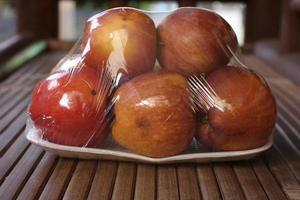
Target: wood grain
(268, 182)
(187, 182)
(17, 177)
(167, 183)
(125, 182)
(103, 182)
(78, 187)
(35, 184)
(208, 183)
(145, 187)
(228, 183)
(59, 179)
(249, 183)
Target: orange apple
(122, 39)
(154, 115)
(194, 41)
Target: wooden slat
(103, 182)
(12, 156)
(37, 180)
(266, 179)
(187, 182)
(228, 183)
(17, 98)
(13, 130)
(125, 181)
(291, 132)
(9, 117)
(78, 187)
(17, 177)
(282, 173)
(59, 179)
(167, 183)
(208, 183)
(145, 187)
(291, 155)
(248, 181)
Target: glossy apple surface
(194, 41)
(154, 115)
(69, 107)
(122, 39)
(244, 113)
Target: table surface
(28, 172)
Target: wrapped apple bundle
(111, 84)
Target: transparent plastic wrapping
(154, 84)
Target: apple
(122, 39)
(242, 111)
(154, 115)
(194, 41)
(71, 107)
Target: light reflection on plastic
(153, 101)
(116, 59)
(87, 47)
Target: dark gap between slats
(28, 175)
(291, 156)
(99, 179)
(58, 179)
(234, 181)
(16, 160)
(17, 99)
(10, 117)
(68, 179)
(11, 134)
(284, 172)
(16, 181)
(205, 170)
(36, 195)
(272, 188)
(88, 189)
(240, 169)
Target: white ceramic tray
(111, 151)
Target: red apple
(154, 115)
(194, 41)
(242, 113)
(70, 107)
(123, 39)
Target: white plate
(111, 151)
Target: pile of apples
(115, 86)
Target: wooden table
(28, 172)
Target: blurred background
(267, 28)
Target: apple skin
(192, 41)
(154, 115)
(124, 39)
(69, 107)
(249, 111)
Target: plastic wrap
(154, 82)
